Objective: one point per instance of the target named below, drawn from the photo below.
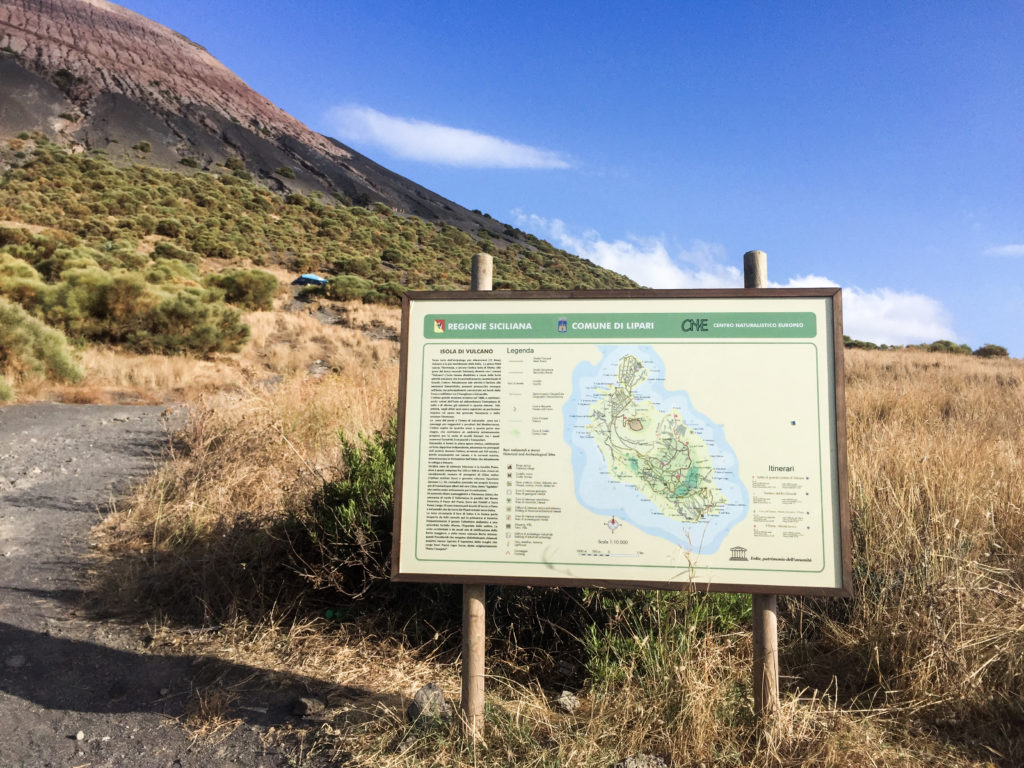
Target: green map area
(655, 452)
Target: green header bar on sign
(662, 325)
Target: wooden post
(766, 655)
(766, 628)
(473, 595)
(473, 641)
(483, 272)
(755, 269)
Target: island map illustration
(647, 456)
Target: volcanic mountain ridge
(95, 76)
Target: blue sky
(876, 145)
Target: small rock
(80, 736)
(567, 702)
(405, 744)
(640, 760)
(307, 705)
(429, 702)
(15, 662)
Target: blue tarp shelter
(309, 279)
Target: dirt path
(75, 692)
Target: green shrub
(79, 257)
(169, 228)
(29, 347)
(346, 287)
(189, 322)
(168, 250)
(991, 350)
(164, 310)
(250, 289)
(944, 345)
(851, 343)
(13, 236)
(212, 248)
(286, 172)
(388, 293)
(354, 265)
(177, 271)
(143, 146)
(394, 256)
(22, 284)
(348, 525)
(189, 162)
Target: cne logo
(439, 325)
(694, 325)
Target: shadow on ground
(67, 674)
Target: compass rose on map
(613, 524)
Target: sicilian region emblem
(439, 325)
(563, 325)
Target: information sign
(668, 439)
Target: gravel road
(78, 692)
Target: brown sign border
(841, 468)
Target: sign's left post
(473, 595)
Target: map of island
(657, 452)
(647, 456)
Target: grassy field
(923, 666)
(266, 522)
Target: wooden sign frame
(719, 321)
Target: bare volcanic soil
(75, 691)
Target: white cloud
(645, 260)
(885, 316)
(1012, 249)
(804, 281)
(881, 315)
(433, 143)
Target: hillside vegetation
(152, 260)
(139, 211)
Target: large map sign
(671, 439)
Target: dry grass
(249, 458)
(286, 343)
(334, 337)
(208, 713)
(924, 666)
(936, 449)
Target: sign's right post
(766, 635)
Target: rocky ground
(75, 691)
